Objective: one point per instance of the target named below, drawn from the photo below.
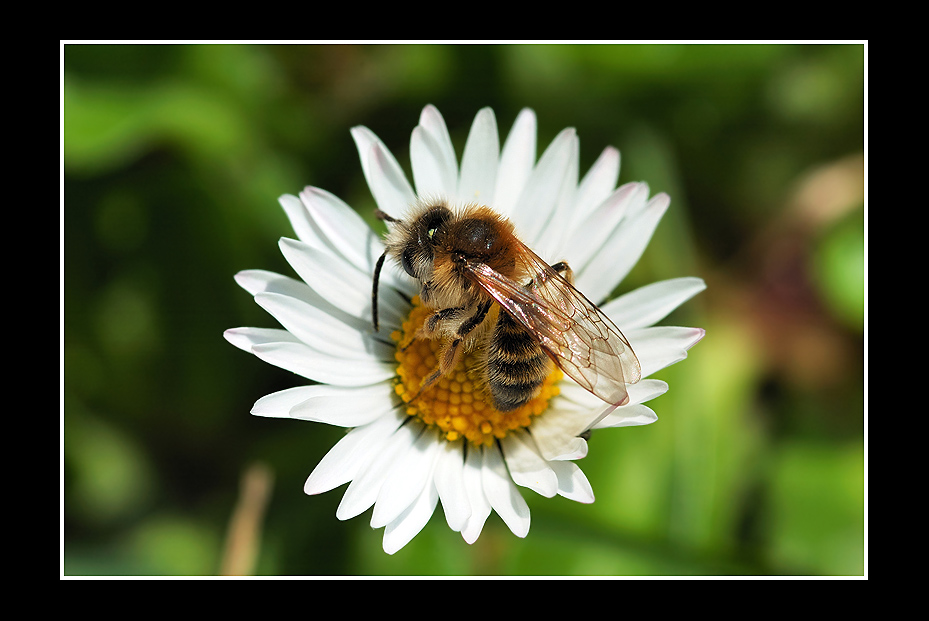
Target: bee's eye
(406, 260)
(433, 221)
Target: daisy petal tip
(572, 451)
(469, 537)
(317, 483)
(584, 497)
(698, 335)
(242, 279)
(237, 337)
(285, 199)
(341, 514)
(486, 113)
(309, 194)
(660, 201)
(257, 410)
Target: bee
(467, 259)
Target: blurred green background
(174, 158)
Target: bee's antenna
(380, 215)
(377, 277)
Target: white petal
(591, 412)
(474, 487)
(408, 476)
(327, 224)
(389, 186)
(315, 365)
(322, 331)
(350, 454)
(301, 222)
(526, 466)
(516, 162)
(344, 230)
(343, 285)
(402, 530)
(341, 232)
(551, 242)
(660, 346)
(646, 390)
(600, 228)
(628, 416)
(246, 338)
(480, 159)
(597, 184)
(572, 483)
(607, 269)
(540, 196)
(364, 488)
(502, 493)
(449, 481)
(640, 392)
(555, 434)
(284, 350)
(579, 397)
(260, 281)
(278, 404)
(435, 168)
(333, 279)
(650, 304)
(345, 407)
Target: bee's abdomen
(516, 365)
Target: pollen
(458, 404)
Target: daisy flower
(403, 455)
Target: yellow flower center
(458, 404)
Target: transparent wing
(581, 340)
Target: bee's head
(414, 242)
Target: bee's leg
(561, 268)
(445, 314)
(565, 270)
(452, 353)
(429, 327)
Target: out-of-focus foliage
(174, 158)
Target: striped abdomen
(516, 364)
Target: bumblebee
(468, 259)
